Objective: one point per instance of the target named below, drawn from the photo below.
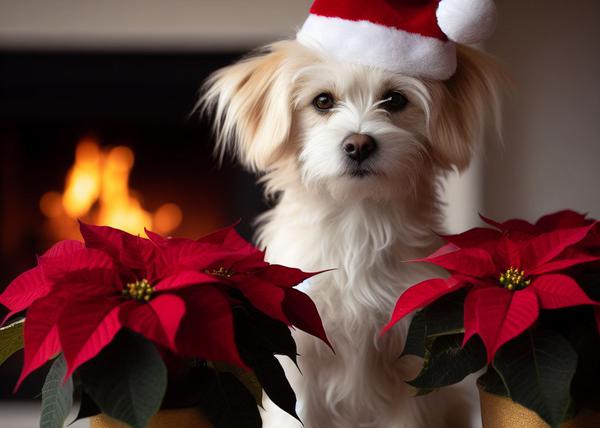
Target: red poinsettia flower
(518, 229)
(175, 292)
(510, 280)
(566, 219)
(239, 265)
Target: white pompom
(467, 21)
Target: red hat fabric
(414, 37)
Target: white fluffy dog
(354, 155)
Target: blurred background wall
(551, 157)
(125, 73)
(148, 24)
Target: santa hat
(414, 37)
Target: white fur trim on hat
(371, 44)
(467, 21)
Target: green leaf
(264, 333)
(220, 397)
(127, 380)
(247, 378)
(493, 383)
(57, 395)
(590, 283)
(448, 362)
(415, 339)
(87, 408)
(537, 369)
(228, 403)
(446, 315)
(184, 388)
(271, 376)
(11, 340)
(583, 337)
(441, 318)
(258, 351)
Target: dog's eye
(324, 102)
(394, 101)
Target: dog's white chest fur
(367, 245)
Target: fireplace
(107, 138)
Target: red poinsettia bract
(519, 229)
(179, 293)
(510, 278)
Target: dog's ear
(470, 105)
(252, 108)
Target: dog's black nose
(359, 147)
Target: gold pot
(501, 412)
(179, 418)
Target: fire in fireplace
(97, 191)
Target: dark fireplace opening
(132, 106)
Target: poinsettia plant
(133, 325)
(522, 301)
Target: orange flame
(97, 190)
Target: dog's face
(359, 131)
(349, 130)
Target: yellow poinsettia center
(222, 272)
(140, 290)
(514, 279)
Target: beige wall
(148, 24)
(551, 158)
